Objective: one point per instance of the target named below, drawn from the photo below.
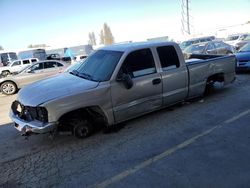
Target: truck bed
(201, 69)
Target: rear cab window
(168, 57)
(139, 63)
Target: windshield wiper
(74, 72)
(83, 75)
(86, 76)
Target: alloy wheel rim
(8, 88)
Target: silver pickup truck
(114, 84)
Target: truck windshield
(99, 66)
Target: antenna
(185, 21)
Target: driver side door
(146, 93)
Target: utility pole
(188, 25)
(185, 21)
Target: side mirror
(29, 71)
(126, 79)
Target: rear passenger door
(146, 92)
(174, 75)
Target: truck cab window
(168, 57)
(139, 63)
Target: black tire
(8, 88)
(82, 128)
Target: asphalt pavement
(201, 143)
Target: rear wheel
(8, 88)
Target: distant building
(75, 50)
(159, 39)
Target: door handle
(156, 81)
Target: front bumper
(32, 126)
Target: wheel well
(219, 77)
(93, 113)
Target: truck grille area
(28, 113)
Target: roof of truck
(135, 45)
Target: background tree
(106, 36)
(37, 46)
(30, 46)
(92, 39)
(1, 48)
(101, 37)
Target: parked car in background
(80, 57)
(187, 43)
(7, 57)
(54, 57)
(42, 69)
(16, 66)
(236, 38)
(33, 53)
(210, 48)
(242, 43)
(243, 58)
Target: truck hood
(52, 88)
(243, 56)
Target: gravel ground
(203, 143)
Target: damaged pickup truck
(114, 84)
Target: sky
(62, 23)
